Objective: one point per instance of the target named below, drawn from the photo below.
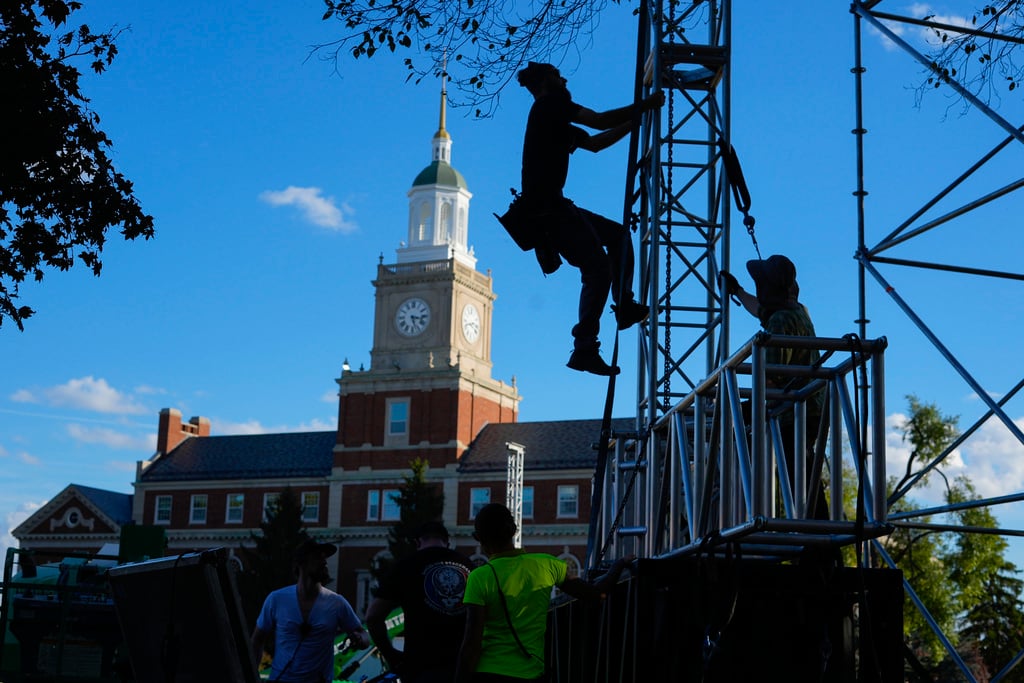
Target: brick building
(428, 393)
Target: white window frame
(373, 505)
(193, 508)
(389, 509)
(568, 493)
(392, 405)
(396, 432)
(156, 510)
(527, 502)
(310, 499)
(230, 507)
(478, 497)
(268, 498)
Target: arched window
(446, 222)
(423, 227)
(460, 230)
(572, 568)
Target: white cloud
(996, 459)
(315, 208)
(992, 458)
(226, 427)
(24, 396)
(316, 425)
(28, 458)
(112, 438)
(86, 393)
(919, 36)
(330, 397)
(12, 520)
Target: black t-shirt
(429, 585)
(550, 139)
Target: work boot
(630, 313)
(589, 360)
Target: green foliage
(962, 578)
(59, 192)
(269, 561)
(929, 432)
(418, 501)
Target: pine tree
(418, 501)
(269, 561)
(989, 588)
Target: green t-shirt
(526, 580)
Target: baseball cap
(311, 547)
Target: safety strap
(508, 617)
(740, 193)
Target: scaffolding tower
(700, 476)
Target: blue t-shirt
(305, 658)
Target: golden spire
(441, 132)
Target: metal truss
(710, 477)
(701, 471)
(678, 195)
(923, 218)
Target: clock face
(470, 323)
(412, 317)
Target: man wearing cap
(776, 304)
(304, 620)
(428, 586)
(600, 248)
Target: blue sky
(276, 184)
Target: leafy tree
(992, 614)
(963, 579)
(919, 554)
(269, 561)
(418, 501)
(479, 44)
(929, 433)
(59, 192)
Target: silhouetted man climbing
(601, 248)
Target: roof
(116, 506)
(561, 444)
(440, 173)
(250, 456)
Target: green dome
(440, 173)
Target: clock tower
(429, 389)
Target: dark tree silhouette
(419, 501)
(269, 560)
(59, 192)
(981, 53)
(478, 45)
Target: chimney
(171, 431)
